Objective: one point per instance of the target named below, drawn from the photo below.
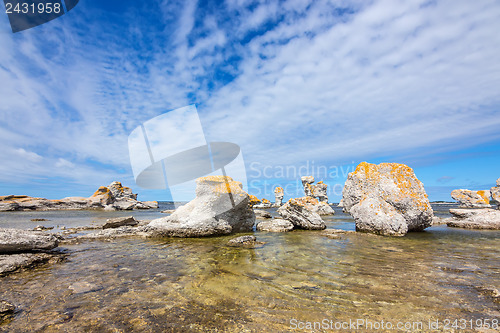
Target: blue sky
(295, 84)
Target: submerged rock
(221, 207)
(16, 240)
(475, 219)
(10, 263)
(6, 309)
(300, 213)
(242, 241)
(120, 222)
(472, 199)
(386, 199)
(278, 196)
(275, 225)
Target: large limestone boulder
(472, 199)
(300, 212)
(279, 193)
(16, 240)
(221, 207)
(386, 199)
(475, 219)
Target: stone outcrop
(495, 194)
(312, 190)
(10, 263)
(472, 199)
(113, 197)
(16, 240)
(300, 213)
(275, 225)
(221, 207)
(386, 199)
(253, 200)
(475, 219)
(279, 193)
(263, 214)
(265, 204)
(120, 222)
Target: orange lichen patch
(304, 201)
(320, 182)
(278, 190)
(254, 200)
(402, 176)
(485, 195)
(265, 201)
(100, 191)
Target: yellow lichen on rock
(253, 200)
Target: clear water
(189, 285)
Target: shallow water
(184, 285)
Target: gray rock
(472, 199)
(475, 219)
(275, 225)
(242, 240)
(396, 199)
(301, 216)
(307, 181)
(265, 204)
(259, 213)
(16, 240)
(124, 204)
(278, 196)
(319, 190)
(221, 207)
(378, 217)
(120, 222)
(150, 204)
(495, 194)
(10, 263)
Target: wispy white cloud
(330, 81)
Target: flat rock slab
(262, 214)
(275, 225)
(16, 240)
(12, 262)
(475, 219)
(120, 222)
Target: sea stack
(386, 199)
(221, 207)
(278, 196)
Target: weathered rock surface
(244, 241)
(6, 309)
(221, 207)
(113, 197)
(263, 214)
(386, 199)
(275, 225)
(253, 200)
(265, 204)
(120, 222)
(319, 190)
(279, 193)
(472, 199)
(16, 240)
(495, 194)
(300, 212)
(475, 219)
(10, 263)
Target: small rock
(259, 213)
(245, 241)
(38, 220)
(42, 228)
(275, 225)
(6, 309)
(485, 218)
(168, 211)
(120, 222)
(84, 287)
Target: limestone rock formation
(278, 196)
(263, 214)
(495, 194)
(113, 197)
(253, 200)
(300, 213)
(275, 225)
(386, 199)
(221, 207)
(475, 218)
(312, 190)
(16, 240)
(265, 204)
(472, 199)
